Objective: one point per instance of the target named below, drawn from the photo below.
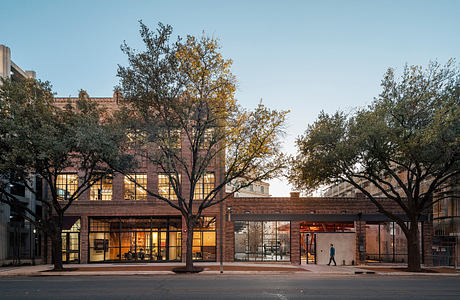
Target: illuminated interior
(135, 239)
(136, 191)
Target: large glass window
(204, 239)
(102, 188)
(204, 186)
(165, 187)
(66, 185)
(262, 241)
(135, 239)
(386, 242)
(135, 191)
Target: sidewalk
(214, 268)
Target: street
(292, 286)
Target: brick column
(229, 241)
(360, 254)
(84, 243)
(427, 243)
(295, 242)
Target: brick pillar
(427, 243)
(229, 239)
(84, 243)
(218, 238)
(360, 254)
(295, 242)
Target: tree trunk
(413, 248)
(189, 251)
(56, 243)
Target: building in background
(19, 241)
(255, 189)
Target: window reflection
(262, 241)
(135, 191)
(386, 242)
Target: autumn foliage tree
(181, 116)
(406, 144)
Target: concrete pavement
(211, 268)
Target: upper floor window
(102, 188)
(208, 137)
(165, 187)
(204, 186)
(170, 139)
(135, 191)
(66, 185)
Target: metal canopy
(317, 217)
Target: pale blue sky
(304, 56)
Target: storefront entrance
(308, 247)
(309, 237)
(71, 242)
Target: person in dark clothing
(332, 254)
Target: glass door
(71, 247)
(308, 247)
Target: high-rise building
(19, 241)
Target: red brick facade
(294, 209)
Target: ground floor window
(262, 241)
(204, 239)
(386, 242)
(135, 239)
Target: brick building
(311, 224)
(115, 221)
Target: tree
(38, 138)
(181, 116)
(406, 144)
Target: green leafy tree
(40, 139)
(182, 117)
(406, 144)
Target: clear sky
(305, 56)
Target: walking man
(332, 254)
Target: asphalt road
(230, 287)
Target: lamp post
(221, 223)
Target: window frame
(67, 184)
(99, 185)
(202, 186)
(165, 182)
(127, 181)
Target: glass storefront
(262, 241)
(386, 242)
(308, 232)
(135, 239)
